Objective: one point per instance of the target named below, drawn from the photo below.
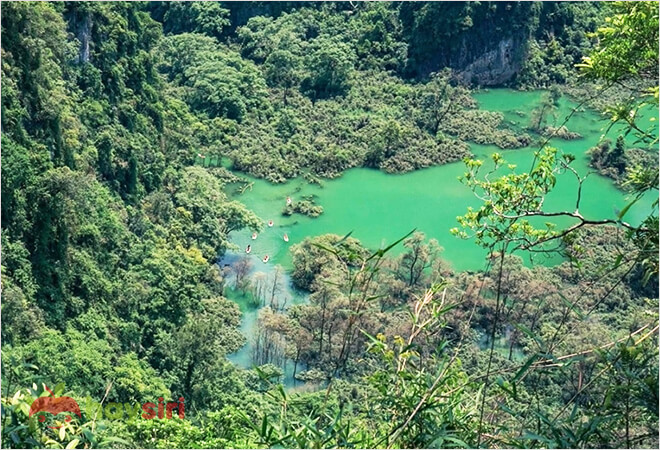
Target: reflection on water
(250, 302)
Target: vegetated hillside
(110, 233)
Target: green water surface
(379, 208)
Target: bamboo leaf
(324, 247)
(523, 329)
(626, 208)
(524, 368)
(343, 239)
(571, 306)
(382, 252)
(535, 437)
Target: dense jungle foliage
(113, 220)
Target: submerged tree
(439, 99)
(269, 345)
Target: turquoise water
(379, 208)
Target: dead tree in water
(241, 269)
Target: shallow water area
(379, 208)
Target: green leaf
(381, 252)
(571, 306)
(524, 368)
(281, 391)
(30, 366)
(458, 442)
(523, 329)
(626, 208)
(371, 338)
(535, 437)
(324, 247)
(343, 239)
(105, 441)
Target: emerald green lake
(379, 208)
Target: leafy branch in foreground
(628, 52)
(20, 430)
(417, 395)
(510, 201)
(509, 219)
(424, 399)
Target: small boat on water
(286, 237)
(288, 200)
(248, 249)
(270, 223)
(266, 258)
(254, 236)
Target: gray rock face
(84, 33)
(495, 66)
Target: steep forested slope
(109, 236)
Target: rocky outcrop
(493, 67)
(84, 35)
(484, 42)
(80, 25)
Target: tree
(241, 269)
(627, 54)
(549, 104)
(205, 214)
(259, 286)
(35, 49)
(195, 352)
(310, 258)
(86, 365)
(283, 69)
(216, 79)
(275, 280)
(270, 339)
(616, 158)
(438, 99)
(329, 66)
(322, 298)
(209, 18)
(415, 262)
(502, 222)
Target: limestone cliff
(484, 42)
(494, 66)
